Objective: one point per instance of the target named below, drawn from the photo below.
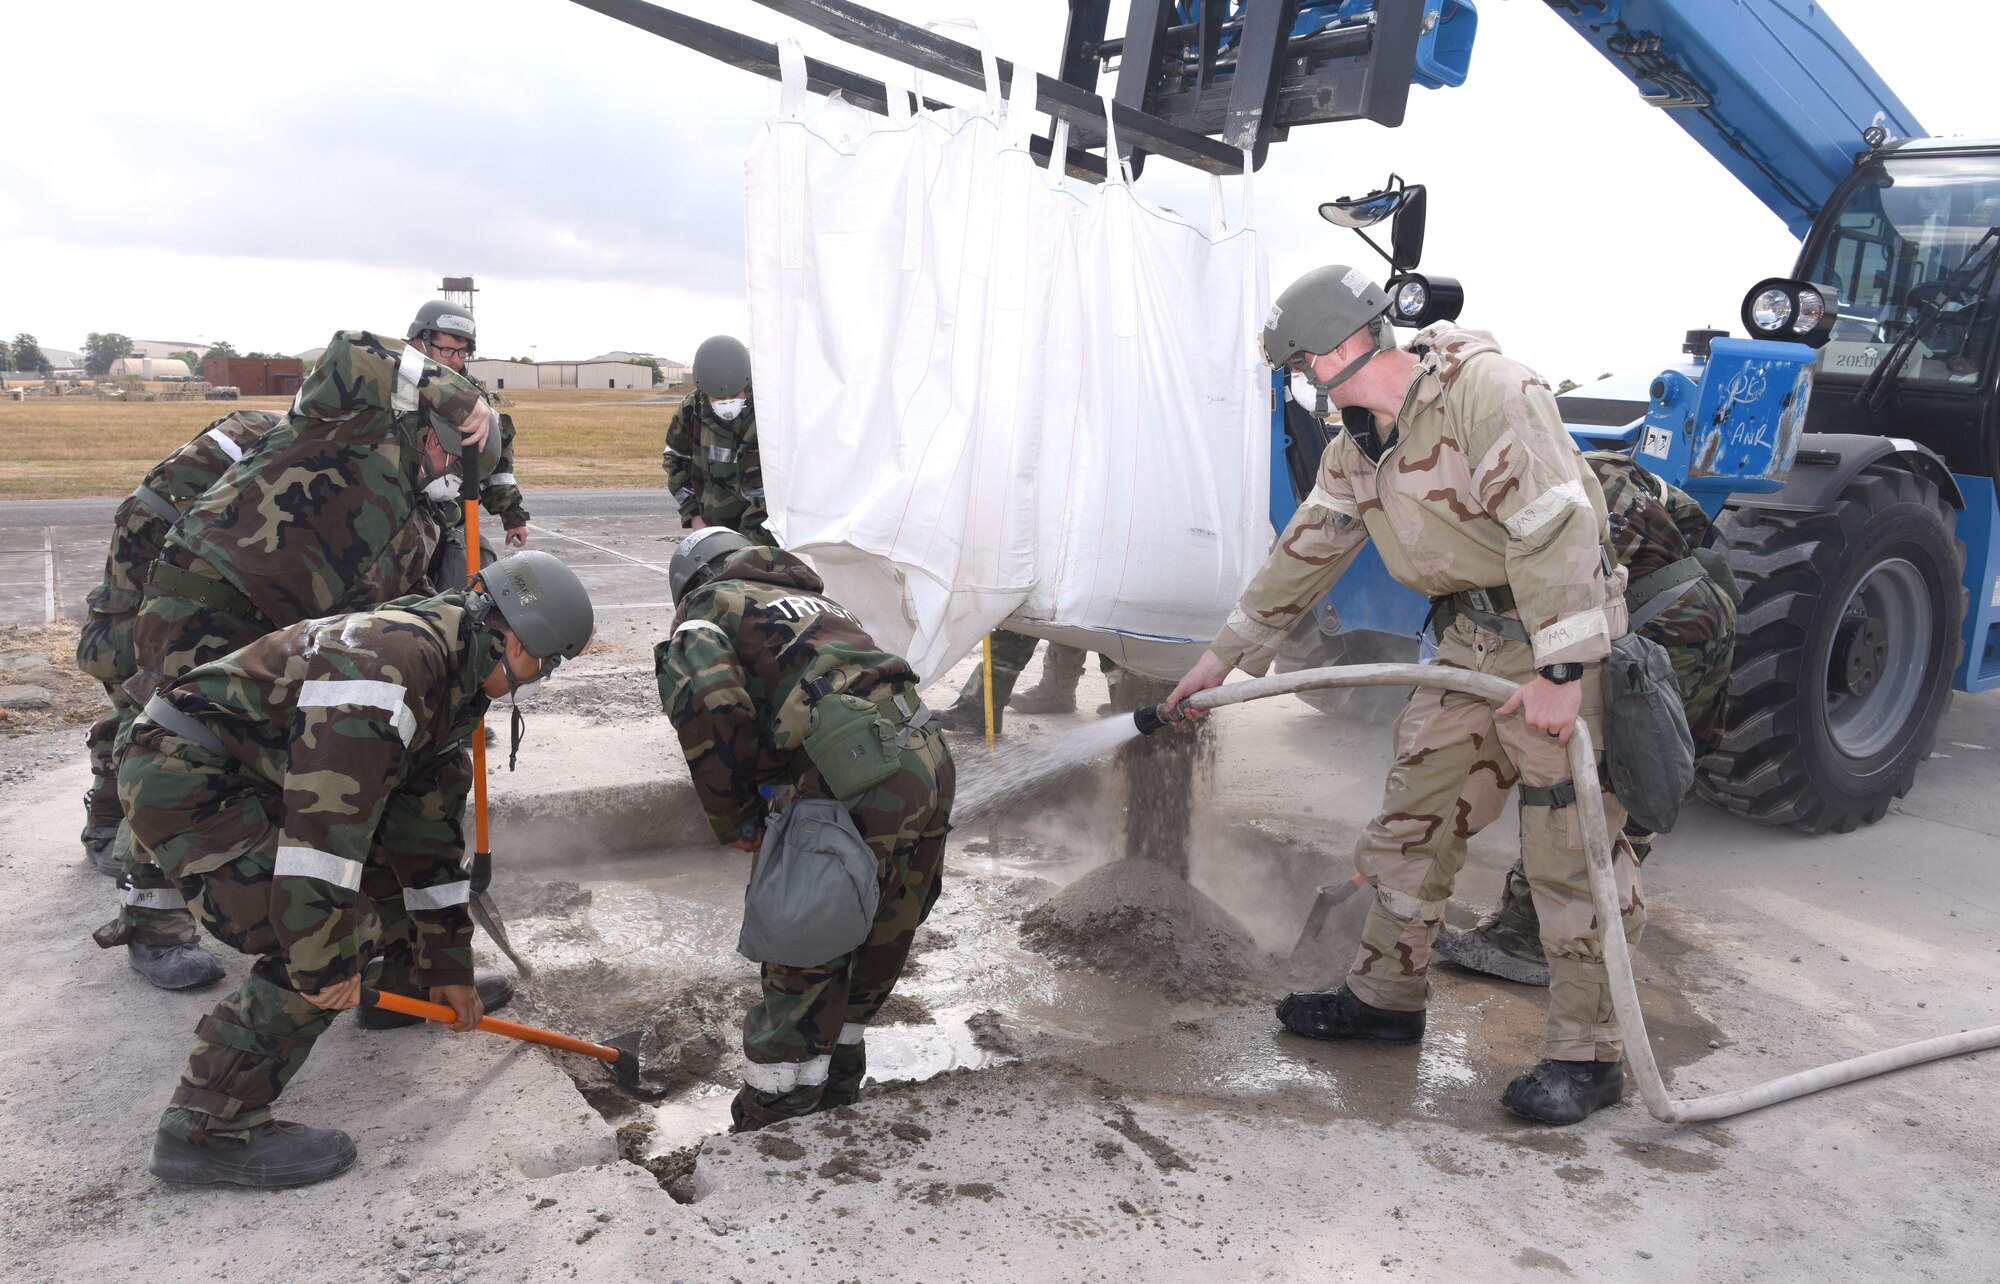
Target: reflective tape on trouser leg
(852, 1032)
(781, 1077)
(159, 898)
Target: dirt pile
(687, 1029)
(1133, 919)
(687, 1038)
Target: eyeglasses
(446, 352)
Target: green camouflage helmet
(542, 601)
(1318, 312)
(697, 553)
(722, 368)
(445, 318)
(454, 443)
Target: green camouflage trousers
(1702, 670)
(170, 635)
(104, 651)
(803, 1039)
(215, 831)
(1455, 765)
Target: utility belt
(857, 742)
(173, 581)
(1485, 607)
(162, 507)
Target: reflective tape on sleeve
(716, 629)
(323, 693)
(1570, 630)
(409, 375)
(1327, 500)
(502, 479)
(222, 441)
(1545, 508)
(443, 896)
(310, 862)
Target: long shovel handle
(491, 1025)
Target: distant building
(594, 374)
(510, 376)
(165, 347)
(150, 368)
(256, 376)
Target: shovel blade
(626, 1068)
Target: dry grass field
(66, 447)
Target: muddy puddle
(1060, 939)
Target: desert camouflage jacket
(732, 677)
(1478, 486)
(138, 528)
(318, 519)
(361, 722)
(713, 469)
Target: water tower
(459, 290)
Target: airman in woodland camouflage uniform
(297, 789)
(1463, 476)
(756, 644)
(104, 650)
(711, 456)
(326, 516)
(1682, 597)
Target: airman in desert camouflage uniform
(298, 788)
(326, 516)
(104, 650)
(1461, 473)
(1681, 596)
(756, 644)
(711, 459)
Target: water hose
(1642, 1068)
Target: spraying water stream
(1011, 770)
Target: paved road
(52, 550)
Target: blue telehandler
(1848, 446)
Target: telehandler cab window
(1912, 249)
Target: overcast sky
(268, 172)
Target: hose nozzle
(1152, 717)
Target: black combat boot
(1338, 1014)
(1565, 1092)
(180, 966)
(967, 715)
(277, 1154)
(495, 992)
(1476, 950)
(752, 1109)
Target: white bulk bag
(983, 392)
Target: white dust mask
(728, 410)
(444, 489)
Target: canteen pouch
(852, 744)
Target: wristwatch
(1561, 673)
